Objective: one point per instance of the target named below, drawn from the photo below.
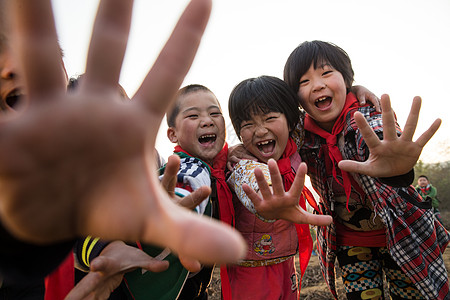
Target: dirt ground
(313, 285)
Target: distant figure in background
(429, 193)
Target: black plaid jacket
(415, 240)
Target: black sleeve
(21, 261)
(86, 249)
(400, 180)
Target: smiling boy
(196, 125)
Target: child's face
(322, 94)
(10, 85)
(199, 126)
(265, 135)
(422, 182)
(11, 82)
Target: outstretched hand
(393, 155)
(82, 164)
(169, 182)
(108, 269)
(275, 203)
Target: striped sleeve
(86, 249)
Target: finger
(411, 122)
(299, 181)
(108, 44)
(192, 265)
(231, 162)
(86, 286)
(263, 186)
(194, 199)
(304, 217)
(367, 132)
(275, 176)
(248, 156)
(252, 195)
(354, 167)
(36, 48)
(169, 179)
(362, 100)
(175, 59)
(428, 134)
(194, 236)
(375, 101)
(389, 129)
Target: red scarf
(225, 200)
(284, 164)
(334, 155)
(425, 190)
(61, 281)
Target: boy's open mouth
(13, 98)
(323, 102)
(266, 147)
(207, 139)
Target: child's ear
(172, 135)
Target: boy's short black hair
(317, 52)
(262, 94)
(74, 82)
(423, 176)
(175, 110)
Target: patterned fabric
(415, 241)
(243, 172)
(192, 174)
(362, 274)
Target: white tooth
(264, 143)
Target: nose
(8, 69)
(206, 121)
(318, 84)
(260, 130)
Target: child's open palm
(83, 163)
(393, 155)
(276, 203)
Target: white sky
(399, 47)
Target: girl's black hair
(262, 94)
(317, 53)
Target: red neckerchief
(284, 164)
(225, 200)
(334, 155)
(61, 281)
(425, 190)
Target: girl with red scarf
(261, 110)
(363, 171)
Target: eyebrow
(196, 108)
